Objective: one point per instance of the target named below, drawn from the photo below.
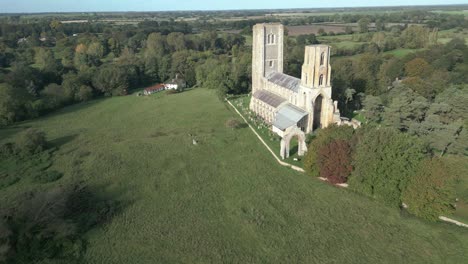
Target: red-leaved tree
(334, 161)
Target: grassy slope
(224, 200)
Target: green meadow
(224, 200)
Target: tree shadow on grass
(58, 142)
(51, 225)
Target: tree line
(40, 73)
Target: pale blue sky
(11, 6)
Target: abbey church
(292, 106)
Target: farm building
(154, 89)
(176, 84)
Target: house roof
(155, 87)
(269, 98)
(288, 115)
(285, 81)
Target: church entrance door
(317, 112)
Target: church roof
(285, 81)
(288, 115)
(269, 98)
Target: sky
(34, 6)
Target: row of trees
(393, 167)
(39, 76)
(413, 145)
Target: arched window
(321, 79)
(271, 39)
(271, 64)
(322, 58)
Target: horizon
(89, 6)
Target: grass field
(224, 200)
(400, 53)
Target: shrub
(334, 161)
(31, 141)
(324, 137)
(84, 93)
(233, 123)
(431, 192)
(48, 176)
(384, 162)
(6, 150)
(49, 226)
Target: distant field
(224, 200)
(453, 12)
(313, 29)
(402, 52)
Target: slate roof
(288, 115)
(284, 80)
(269, 98)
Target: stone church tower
(291, 105)
(267, 54)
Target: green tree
(431, 191)
(405, 109)
(80, 59)
(363, 25)
(111, 80)
(373, 108)
(56, 95)
(95, 52)
(384, 162)
(31, 141)
(418, 67)
(84, 93)
(176, 41)
(11, 105)
(415, 37)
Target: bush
(48, 176)
(6, 150)
(384, 162)
(49, 226)
(431, 192)
(324, 137)
(31, 141)
(233, 123)
(84, 93)
(334, 161)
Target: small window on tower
(321, 79)
(322, 58)
(272, 39)
(271, 64)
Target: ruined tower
(316, 68)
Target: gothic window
(321, 79)
(271, 39)
(322, 58)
